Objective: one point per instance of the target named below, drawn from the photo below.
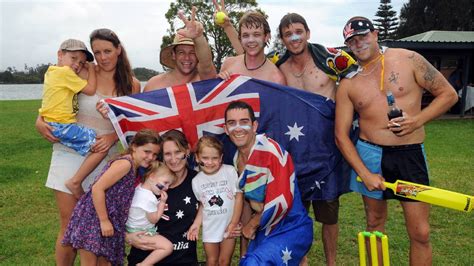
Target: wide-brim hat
(166, 54)
(357, 27)
(76, 45)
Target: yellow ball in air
(220, 18)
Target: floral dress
(83, 231)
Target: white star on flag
(317, 184)
(286, 255)
(187, 200)
(180, 214)
(295, 132)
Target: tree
(144, 74)
(387, 21)
(220, 44)
(41, 69)
(418, 16)
(31, 75)
(6, 77)
(278, 45)
(277, 50)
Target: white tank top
(91, 118)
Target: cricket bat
(431, 195)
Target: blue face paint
(295, 37)
(160, 186)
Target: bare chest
(265, 72)
(176, 79)
(240, 166)
(369, 91)
(311, 79)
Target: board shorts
(325, 211)
(74, 136)
(401, 162)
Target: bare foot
(75, 188)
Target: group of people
(160, 214)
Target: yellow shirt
(60, 87)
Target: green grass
(29, 219)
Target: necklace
(382, 73)
(299, 75)
(362, 68)
(255, 68)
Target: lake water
(21, 91)
(25, 91)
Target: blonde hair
(157, 167)
(211, 142)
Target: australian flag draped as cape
(269, 178)
(285, 232)
(301, 122)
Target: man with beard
(189, 57)
(314, 68)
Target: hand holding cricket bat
(431, 195)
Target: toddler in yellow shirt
(73, 74)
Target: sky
(32, 30)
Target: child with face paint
(220, 202)
(148, 205)
(97, 225)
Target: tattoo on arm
(393, 77)
(428, 70)
(430, 73)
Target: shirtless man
(393, 148)
(189, 57)
(303, 69)
(254, 34)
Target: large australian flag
(301, 122)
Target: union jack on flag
(300, 121)
(269, 178)
(194, 108)
(294, 121)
